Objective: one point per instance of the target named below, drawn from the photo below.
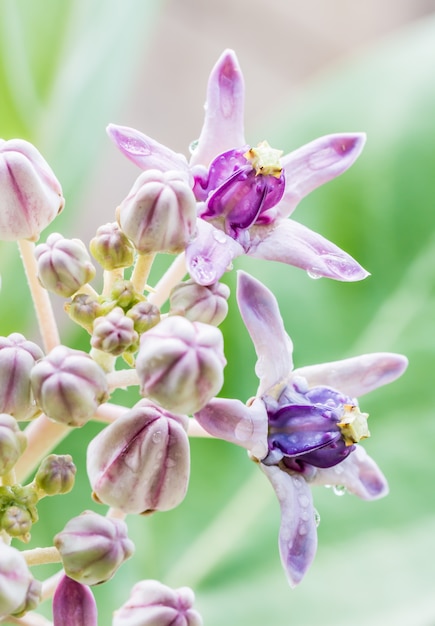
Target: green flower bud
(12, 443)
(69, 385)
(64, 265)
(93, 547)
(17, 522)
(15, 579)
(180, 364)
(154, 604)
(56, 474)
(199, 303)
(114, 333)
(111, 248)
(84, 309)
(140, 462)
(124, 295)
(144, 315)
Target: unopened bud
(140, 462)
(123, 294)
(180, 364)
(15, 579)
(84, 309)
(32, 599)
(17, 358)
(114, 333)
(56, 474)
(69, 386)
(64, 265)
(153, 604)
(93, 547)
(12, 443)
(17, 522)
(199, 303)
(74, 604)
(111, 248)
(159, 213)
(144, 315)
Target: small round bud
(111, 248)
(17, 522)
(31, 195)
(12, 443)
(32, 599)
(64, 265)
(159, 213)
(144, 315)
(56, 474)
(114, 333)
(153, 604)
(123, 294)
(93, 547)
(17, 358)
(15, 579)
(199, 303)
(69, 386)
(73, 604)
(84, 309)
(141, 462)
(180, 364)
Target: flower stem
(174, 275)
(41, 299)
(41, 556)
(141, 271)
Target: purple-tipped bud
(144, 315)
(31, 195)
(199, 303)
(159, 213)
(69, 386)
(15, 579)
(83, 309)
(153, 604)
(17, 358)
(32, 599)
(12, 443)
(114, 333)
(73, 604)
(64, 265)
(141, 462)
(93, 547)
(111, 248)
(56, 474)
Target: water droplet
(157, 436)
(302, 530)
(304, 501)
(219, 236)
(193, 146)
(305, 516)
(312, 273)
(297, 482)
(170, 462)
(339, 490)
(316, 518)
(133, 146)
(203, 270)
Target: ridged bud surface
(56, 474)
(144, 315)
(114, 333)
(153, 604)
(12, 443)
(17, 358)
(84, 309)
(111, 248)
(199, 303)
(93, 547)
(64, 265)
(31, 195)
(32, 599)
(15, 579)
(180, 364)
(141, 462)
(74, 604)
(69, 386)
(159, 213)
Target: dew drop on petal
(339, 490)
(133, 146)
(157, 436)
(316, 518)
(304, 501)
(302, 530)
(313, 274)
(203, 269)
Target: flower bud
(73, 604)
(144, 315)
(17, 358)
(32, 599)
(69, 386)
(114, 333)
(199, 303)
(124, 294)
(84, 309)
(31, 195)
(56, 474)
(140, 462)
(64, 265)
(180, 364)
(12, 443)
(92, 547)
(15, 579)
(159, 214)
(154, 604)
(111, 248)
(17, 522)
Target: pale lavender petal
(358, 473)
(210, 254)
(289, 242)
(233, 421)
(260, 312)
(144, 151)
(315, 164)
(298, 533)
(223, 124)
(358, 375)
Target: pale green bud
(17, 522)
(56, 474)
(111, 248)
(12, 443)
(114, 333)
(199, 303)
(93, 547)
(84, 309)
(144, 315)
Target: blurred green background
(67, 69)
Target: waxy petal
(73, 604)
(298, 533)
(289, 242)
(223, 124)
(358, 375)
(358, 473)
(315, 164)
(233, 421)
(145, 152)
(260, 312)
